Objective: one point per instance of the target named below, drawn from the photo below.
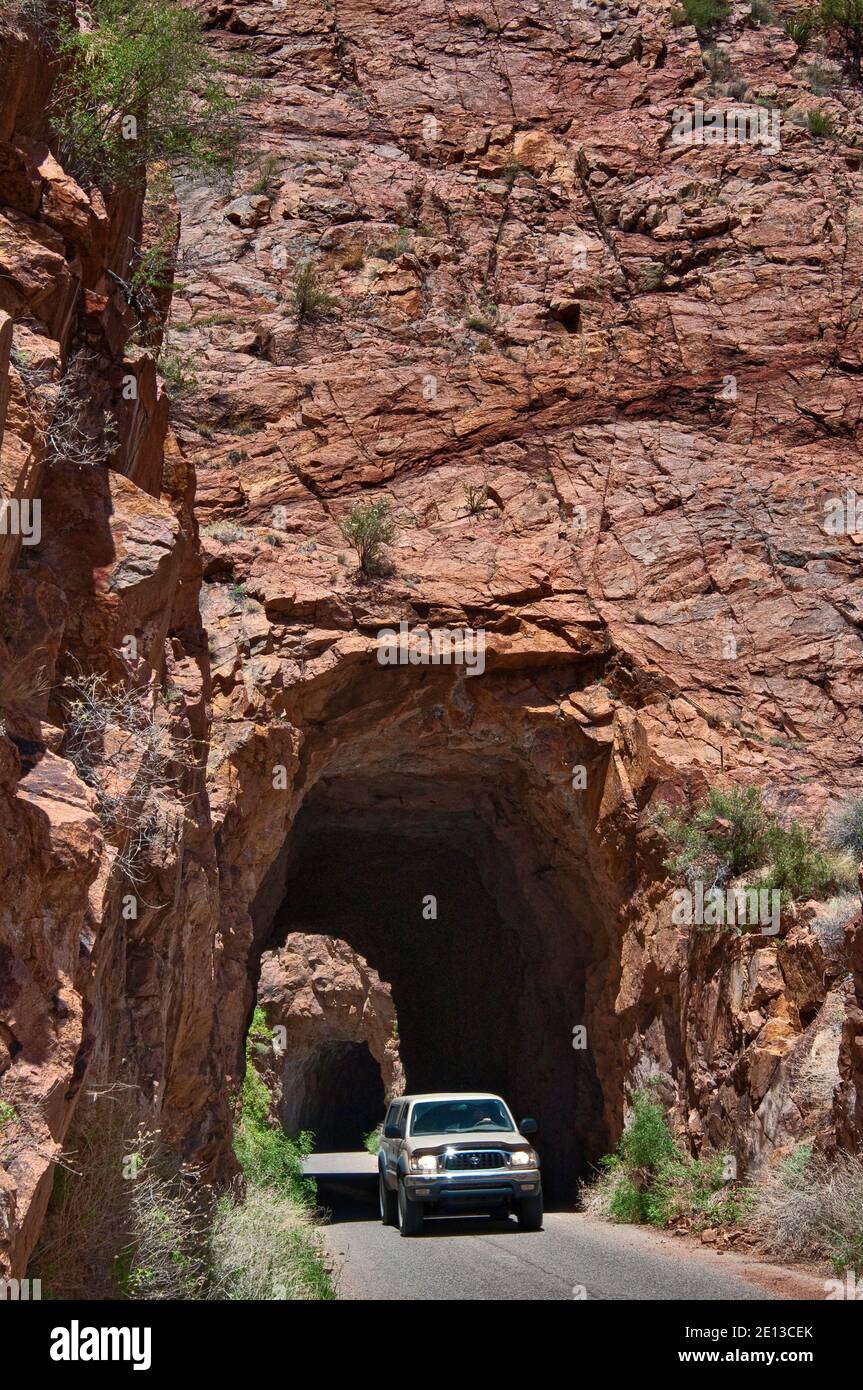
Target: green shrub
(263, 1246)
(733, 833)
(820, 124)
(844, 19)
(268, 1157)
(648, 1179)
(267, 179)
(8, 1113)
(726, 836)
(696, 1190)
(627, 1203)
(476, 497)
(647, 1141)
(369, 527)
(798, 866)
(138, 86)
(761, 11)
(372, 1140)
(310, 301)
(178, 373)
(703, 14)
(800, 27)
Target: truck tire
(410, 1214)
(388, 1202)
(530, 1213)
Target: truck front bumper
(473, 1189)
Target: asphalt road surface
(573, 1257)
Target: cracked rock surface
(610, 387)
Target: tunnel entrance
(442, 889)
(339, 1094)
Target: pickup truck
(452, 1152)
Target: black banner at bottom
(62, 1340)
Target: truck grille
(474, 1160)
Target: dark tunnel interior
(342, 1095)
(427, 884)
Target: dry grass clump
(121, 745)
(265, 1248)
(126, 1219)
(22, 682)
(811, 1207)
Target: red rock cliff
(609, 385)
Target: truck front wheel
(410, 1214)
(529, 1211)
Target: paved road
(476, 1258)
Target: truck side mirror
(528, 1126)
(391, 1132)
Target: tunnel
(335, 1091)
(442, 884)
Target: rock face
(106, 979)
(609, 385)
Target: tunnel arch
(423, 783)
(336, 1056)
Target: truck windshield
(460, 1116)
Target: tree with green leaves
(137, 84)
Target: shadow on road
(348, 1198)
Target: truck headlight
(423, 1163)
(523, 1158)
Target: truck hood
(468, 1139)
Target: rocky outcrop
(609, 385)
(106, 974)
(336, 1039)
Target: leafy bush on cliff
(800, 27)
(139, 85)
(845, 827)
(703, 14)
(733, 833)
(844, 20)
(650, 1180)
(310, 300)
(369, 526)
(723, 837)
